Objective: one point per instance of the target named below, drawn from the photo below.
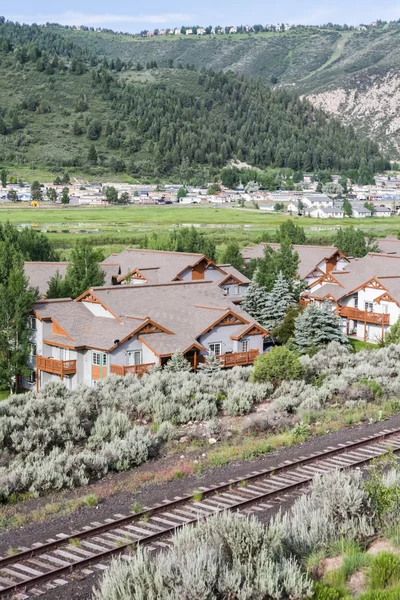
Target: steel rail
(342, 449)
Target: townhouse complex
(365, 294)
(152, 304)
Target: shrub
(224, 557)
(276, 366)
(324, 592)
(336, 507)
(384, 570)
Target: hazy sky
(123, 15)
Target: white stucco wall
(119, 355)
(223, 333)
(98, 310)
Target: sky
(124, 15)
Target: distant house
(201, 31)
(177, 31)
(330, 212)
(360, 212)
(316, 200)
(382, 211)
(233, 30)
(189, 31)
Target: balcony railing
(364, 315)
(238, 358)
(57, 367)
(138, 370)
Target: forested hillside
(62, 106)
(353, 74)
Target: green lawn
(179, 215)
(121, 225)
(359, 345)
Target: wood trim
(134, 274)
(150, 348)
(230, 280)
(254, 329)
(237, 320)
(386, 297)
(59, 345)
(362, 286)
(93, 298)
(56, 329)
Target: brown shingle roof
(186, 310)
(40, 273)
(310, 256)
(160, 266)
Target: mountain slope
(311, 61)
(73, 110)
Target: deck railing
(138, 370)
(238, 358)
(366, 316)
(57, 367)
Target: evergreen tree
(318, 326)
(393, 336)
(57, 287)
(84, 271)
(182, 193)
(284, 331)
(12, 196)
(51, 194)
(232, 256)
(284, 260)
(353, 242)
(36, 191)
(294, 233)
(211, 364)
(255, 300)
(65, 196)
(16, 301)
(277, 303)
(92, 155)
(3, 178)
(178, 363)
(347, 208)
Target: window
(237, 290)
(32, 323)
(356, 301)
(385, 309)
(32, 350)
(245, 345)
(134, 357)
(226, 291)
(215, 348)
(99, 359)
(32, 377)
(369, 306)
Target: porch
(56, 367)
(238, 359)
(366, 316)
(138, 370)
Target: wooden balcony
(238, 359)
(363, 315)
(138, 370)
(57, 367)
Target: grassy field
(112, 228)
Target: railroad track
(36, 570)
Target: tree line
(161, 129)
